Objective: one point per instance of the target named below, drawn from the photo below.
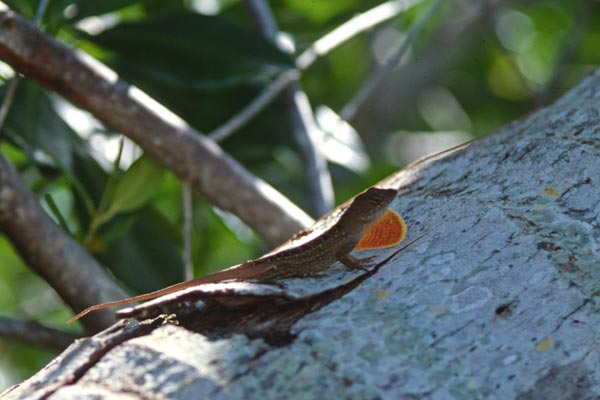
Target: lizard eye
(378, 200)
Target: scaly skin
(306, 259)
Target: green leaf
(56, 212)
(191, 51)
(87, 8)
(136, 259)
(327, 10)
(34, 125)
(136, 186)
(23, 7)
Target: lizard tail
(88, 310)
(141, 297)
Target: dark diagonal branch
(11, 86)
(52, 254)
(35, 334)
(190, 155)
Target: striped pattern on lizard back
(320, 252)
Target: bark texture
(497, 300)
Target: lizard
(306, 259)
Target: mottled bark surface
(496, 301)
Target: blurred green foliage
(205, 60)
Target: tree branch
(11, 86)
(351, 28)
(303, 121)
(9, 95)
(52, 254)
(264, 98)
(35, 334)
(190, 155)
(319, 48)
(188, 213)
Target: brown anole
(306, 259)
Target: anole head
(368, 207)
(378, 226)
(364, 212)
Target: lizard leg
(355, 263)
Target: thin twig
(304, 125)
(321, 47)
(392, 60)
(351, 28)
(257, 105)
(35, 334)
(308, 137)
(188, 262)
(263, 16)
(39, 12)
(9, 96)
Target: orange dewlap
(388, 230)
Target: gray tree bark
(496, 300)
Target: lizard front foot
(355, 263)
